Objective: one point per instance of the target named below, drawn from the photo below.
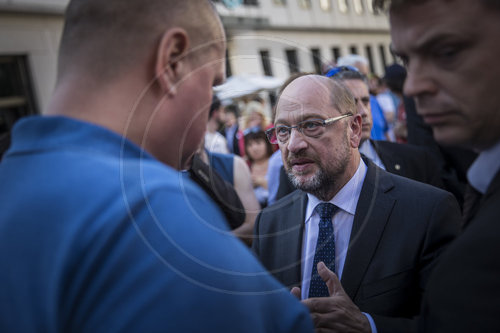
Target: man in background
(99, 231)
(380, 127)
(214, 141)
(451, 53)
(401, 159)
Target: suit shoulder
(407, 186)
(407, 150)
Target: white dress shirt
(369, 151)
(347, 200)
(484, 168)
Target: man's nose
(296, 141)
(419, 80)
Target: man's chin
(302, 181)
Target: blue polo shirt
(98, 236)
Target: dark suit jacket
(400, 159)
(399, 230)
(464, 290)
(409, 161)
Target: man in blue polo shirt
(98, 230)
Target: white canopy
(246, 84)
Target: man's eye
(310, 125)
(280, 130)
(446, 53)
(365, 101)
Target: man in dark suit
(380, 233)
(451, 50)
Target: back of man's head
(105, 39)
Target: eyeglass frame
(324, 122)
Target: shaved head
(107, 37)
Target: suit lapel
(290, 249)
(372, 212)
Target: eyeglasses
(312, 128)
(335, 70)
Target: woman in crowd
(258, 151)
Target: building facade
(265, 37)
(279, 37)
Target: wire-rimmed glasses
(312, 128)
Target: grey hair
(351, 60)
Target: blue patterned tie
(325, 249)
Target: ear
(171, 59)
(356, 127)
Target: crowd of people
(140, 202)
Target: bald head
(316, 87)
(107, 38)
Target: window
(229, 72)
(353, 49)
(326, 5)
(293, 62)
(251, 2)
(306, 4)
(16, 95)
(369, 55)
(358, 7)
(336, 53)
(316, 58)
(266, 63)
(343, 7)
(381, 49)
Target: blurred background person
(258, 151)
(255, 117)
(380, 127)
(214, 141)
(231, 130)
(394, 102)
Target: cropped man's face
(359, 90)
(451, 50)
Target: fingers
(331, 280)
(296, 292)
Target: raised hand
(336, 313)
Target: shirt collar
(347, 198)
(484, 168)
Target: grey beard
(320, 185)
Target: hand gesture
(336, 313)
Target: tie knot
(326, 210)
